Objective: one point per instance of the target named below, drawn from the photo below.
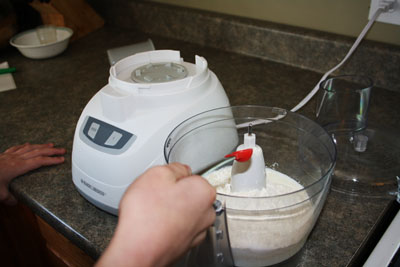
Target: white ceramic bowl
(29, 45)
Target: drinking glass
(47, 34)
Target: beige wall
(347, 17)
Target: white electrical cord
(384, 6)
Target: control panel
(105, 137)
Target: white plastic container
(29, 45)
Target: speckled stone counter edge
(299, 47)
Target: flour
(278, 184)
(265, 226)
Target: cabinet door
(27, 240)
(61, 250)
(21, 243)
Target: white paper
(6, 80)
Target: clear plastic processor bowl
(262, 230)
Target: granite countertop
(52, 93)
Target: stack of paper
(6, 80)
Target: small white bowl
(29, 45)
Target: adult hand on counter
(162, 214)
(18, 160)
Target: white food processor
(261, 223)
(122, 130)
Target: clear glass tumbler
(47, 34)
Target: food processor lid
(370, 169)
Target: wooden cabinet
(27, 240)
